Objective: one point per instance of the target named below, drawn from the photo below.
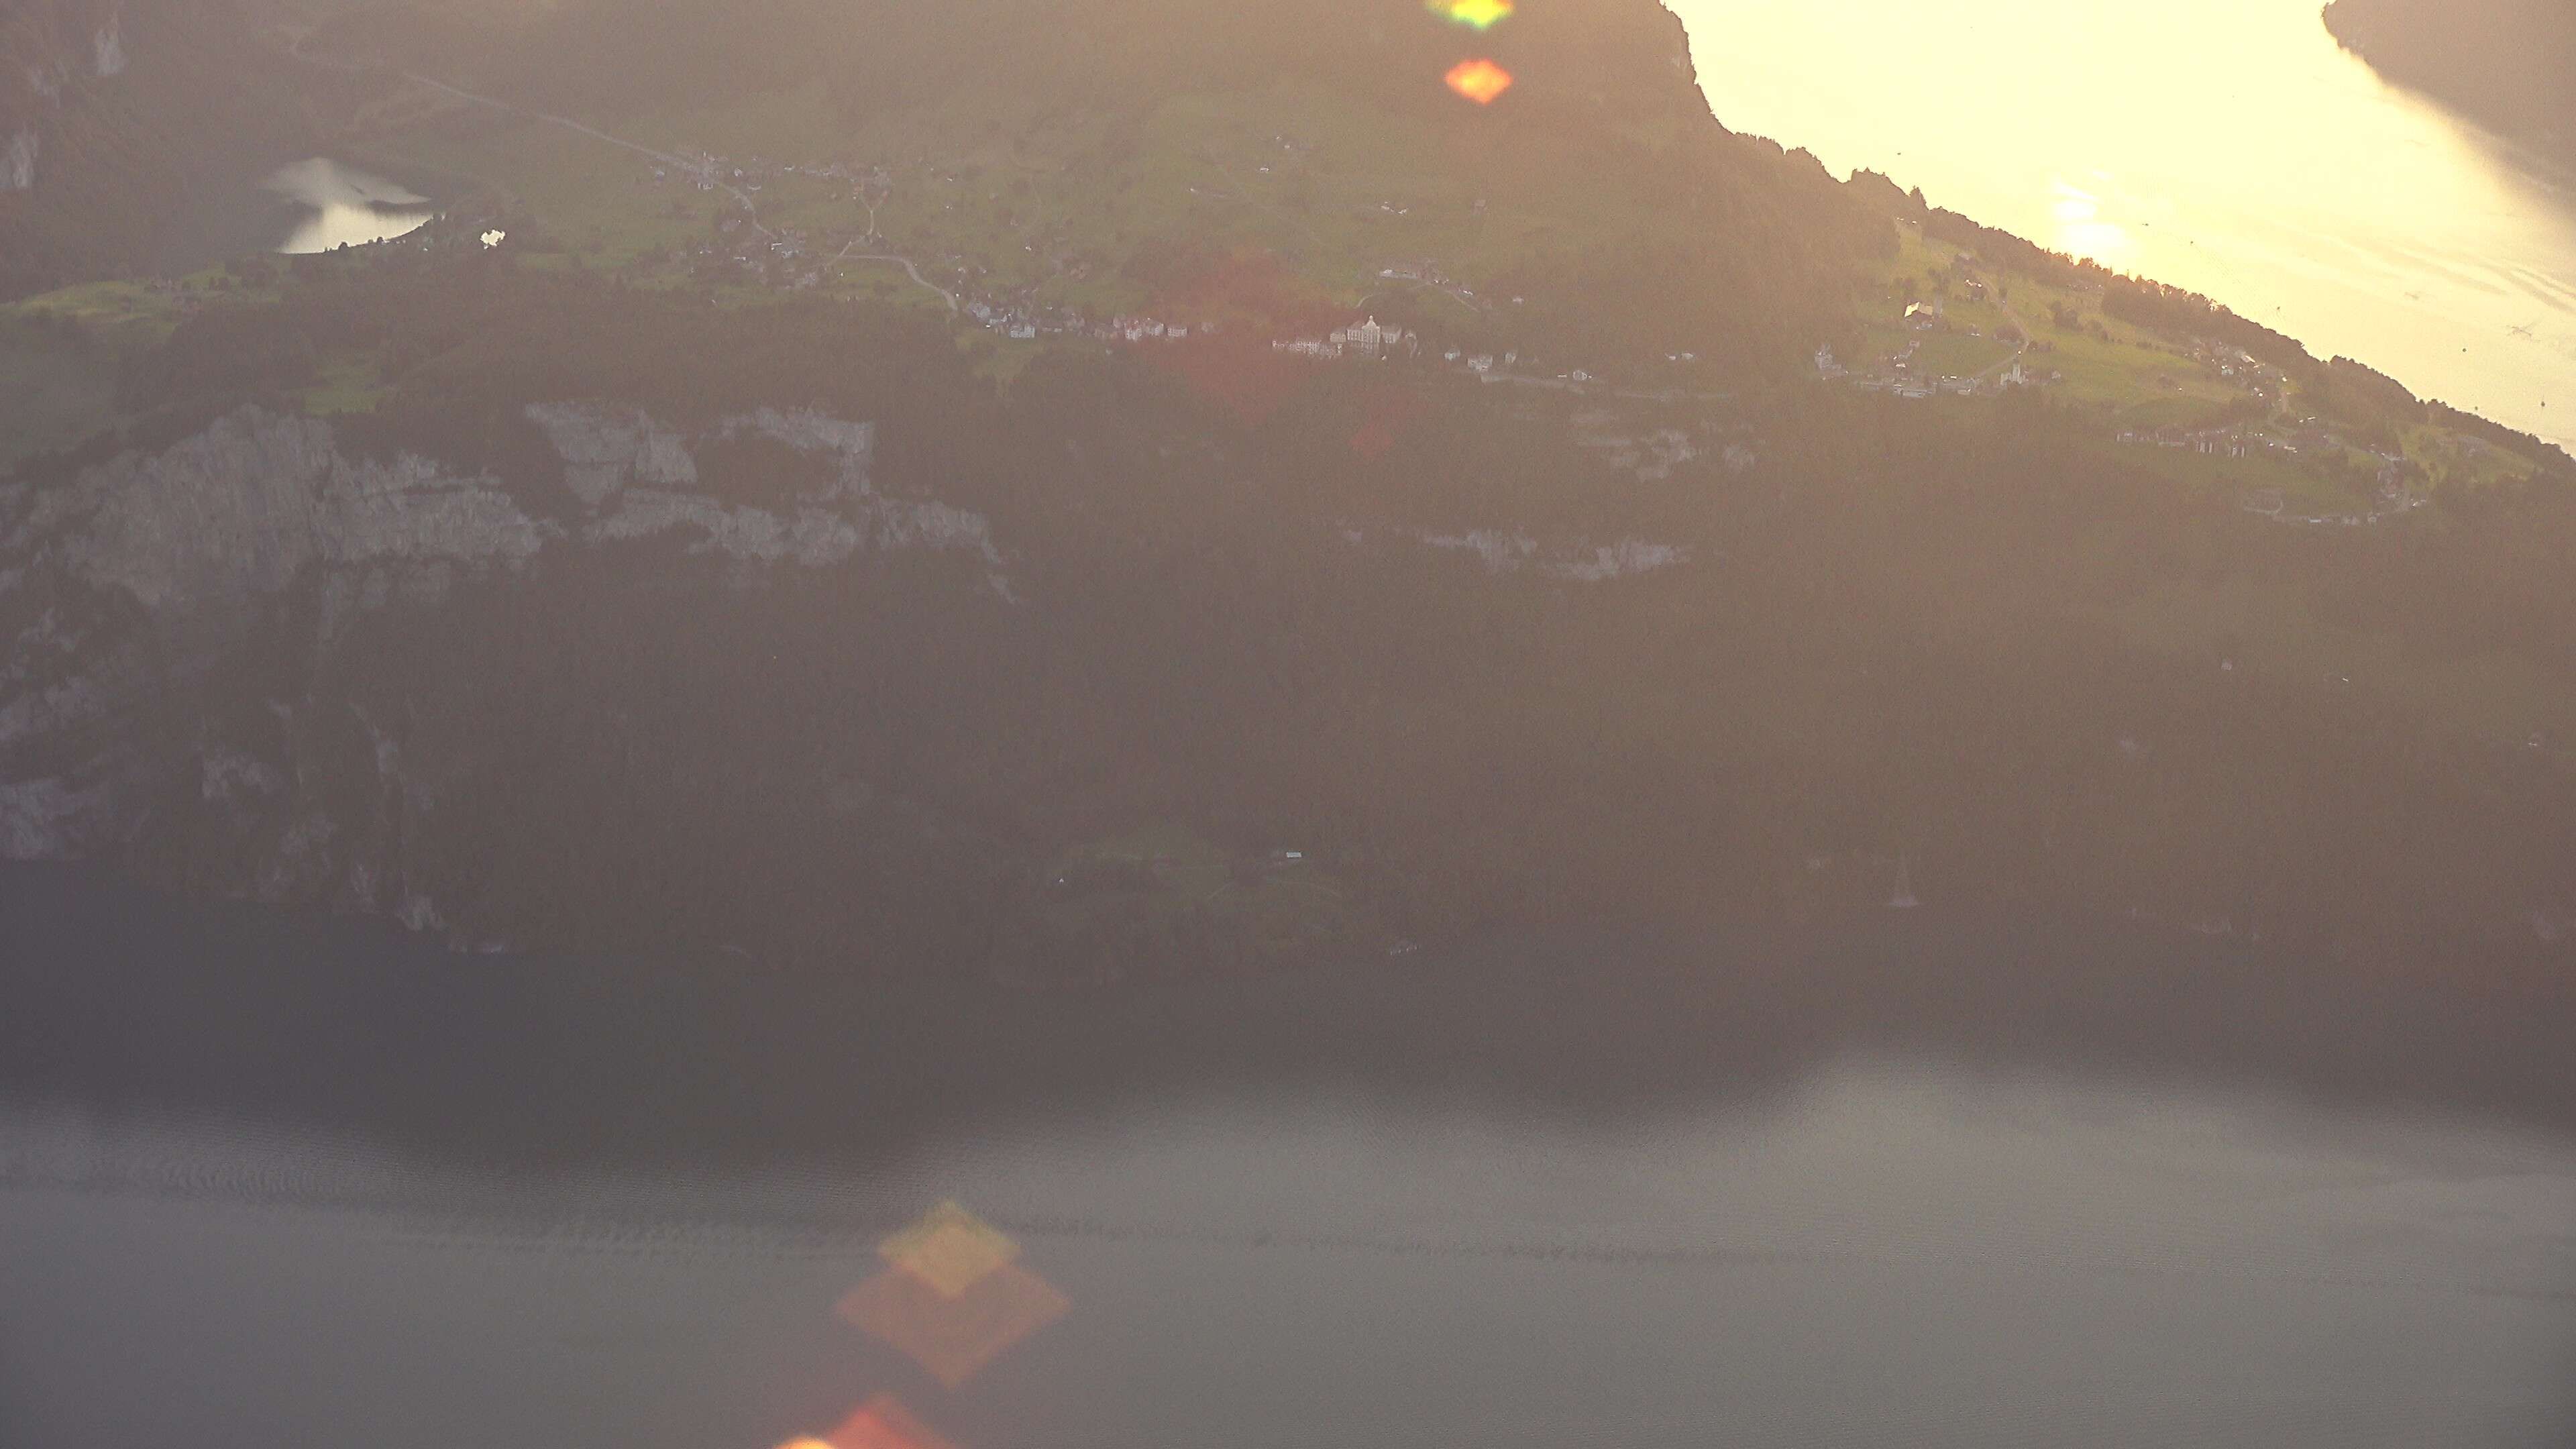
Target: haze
(2227, 146)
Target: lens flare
(883, 1423)
(1479, 80)
(952, 1297)
(1475, 14)
(950, 1249)
(953, 1336)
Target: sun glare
(1476, 14)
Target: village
(1944, 325)
(1954, 332)
(740, 247)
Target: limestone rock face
(46, 48)
(243, 507)
(18, 160)
(606, 449)
(639, 480)
(172, 623)
(107, 48)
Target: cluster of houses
(2229, 442)
(1365, 339)
(706, 171)
(2244, 440)
(2271, 503)
(2396, 497)
(1898, 375)
(1024, 321)
(1427, 272)
(2236, 365)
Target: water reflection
(345, 206)
(1909, 1182)
(2081, 232)
(2228, 146)
(1896, 1251)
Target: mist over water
(2227, 146)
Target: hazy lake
(307, 206)
(341, 205)
(2228, 146)
(1923, 1182)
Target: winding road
(904, 262)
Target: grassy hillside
(1061, 160)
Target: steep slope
(117, 115)
(584, 591)
(48, 47)
(1107, 138)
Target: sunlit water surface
(2228, 146)
(343, 206)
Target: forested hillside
(1427, 633)
(1158, 487)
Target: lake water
(341, 205)
(2228, 146)
(308, 206)
(1923, 1182)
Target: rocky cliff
(117, 117)
(53, 53)
(175, 617)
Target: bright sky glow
(2228, 146)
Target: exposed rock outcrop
(18, 160)
(245, 506)
(48, 43)
(640, 480)
(606, 449)
(1504, 553)
(107, 47)
(170, 615)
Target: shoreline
(139, 1007)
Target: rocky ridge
(47, 52)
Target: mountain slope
(116, 118)
(651, 581)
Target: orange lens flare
(956, 1336)
(953, 1298)
(1479, 80)
(950, 1249)
(1475, 14)
(882, 1423)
